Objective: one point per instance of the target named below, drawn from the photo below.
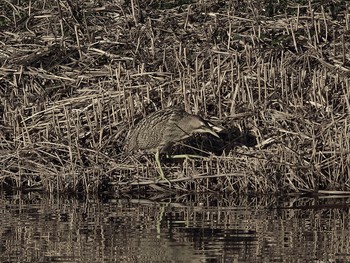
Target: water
(42, 228)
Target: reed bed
(75, 77)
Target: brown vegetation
(76, 75)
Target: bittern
(157, 132)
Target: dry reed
(75, 77)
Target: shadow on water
(189, 228)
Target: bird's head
(197, 124)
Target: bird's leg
(161, 173)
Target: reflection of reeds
(74, 79)
(42, 228)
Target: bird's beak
(213, 133)
(213, 129)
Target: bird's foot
(166, 181)
(163, 178)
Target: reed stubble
(74, 79)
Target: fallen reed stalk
(74, 79)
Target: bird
(160, 130)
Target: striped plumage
(162, 128)
(158, 131)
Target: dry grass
(75, 76)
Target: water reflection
(41, 228)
